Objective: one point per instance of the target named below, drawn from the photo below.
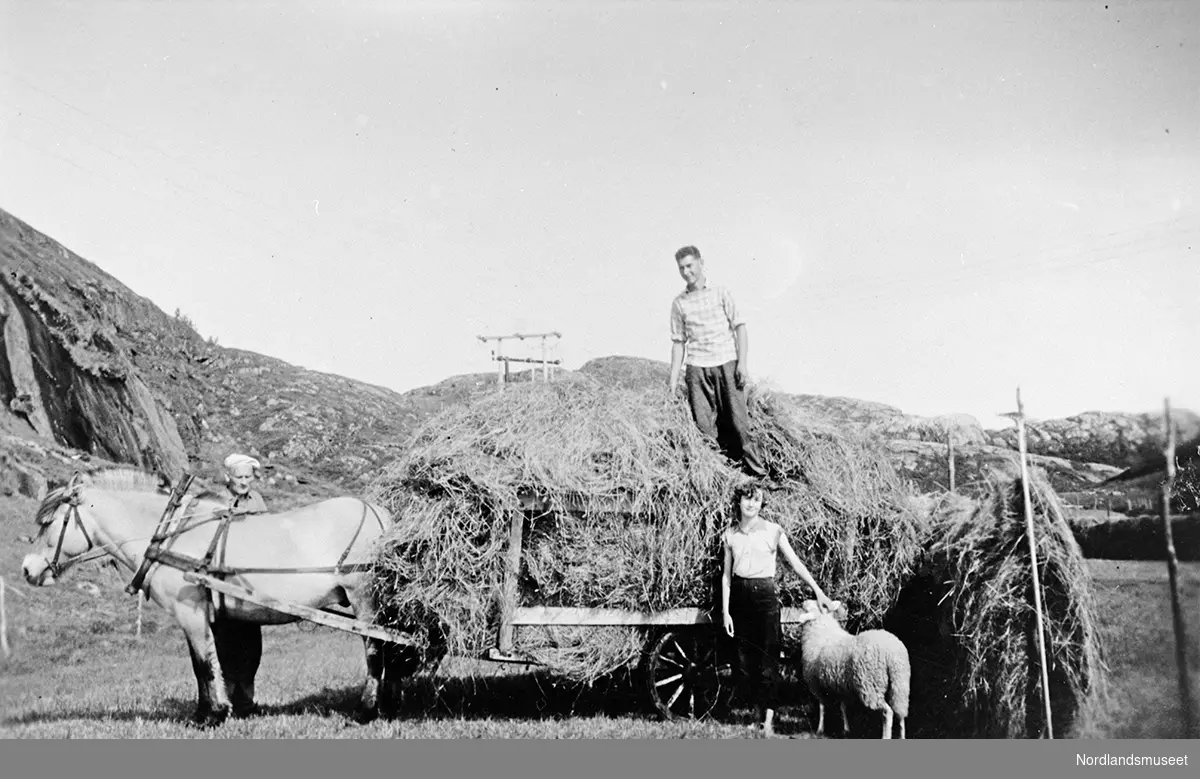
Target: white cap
(234, 460)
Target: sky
(924, 204)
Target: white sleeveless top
(754, 552)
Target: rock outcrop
(63, 371)
(1102, 437)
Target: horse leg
(401, 662)
(363, 603)
(368, 703)
(213, 705)
(204, 698)
(239, 648)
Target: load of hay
(637, 501)
(969, 619)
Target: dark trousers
(239, 651)
(719, 408)
(754, 608)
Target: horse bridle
(72, 500)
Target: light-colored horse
(118, 511)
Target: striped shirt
(704, 320)
(754, 552)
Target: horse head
(62, 532)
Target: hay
(580, 442)
(979, 552)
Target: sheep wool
(872, 667)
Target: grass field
(79, 671)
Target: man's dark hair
(688, 251)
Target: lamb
(872, 666)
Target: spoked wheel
(685, 674)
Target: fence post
(141, 601)
(1033, 560)
(1181, 660)
(950, 454)
(4, 648)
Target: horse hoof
(216, 717)
(242, 712)
(363, 715)
(390, 709)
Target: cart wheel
(685, 676)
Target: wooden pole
(141, 601)
(950, 454)
(4, 648)
(1033, 561)
(512, 573)
(1185, 683)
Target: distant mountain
(92, 372)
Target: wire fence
(1121, 503)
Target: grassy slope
(78, 670)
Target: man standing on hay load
(709, 337)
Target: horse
(117, 511)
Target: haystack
(970, 623)
(637, 500)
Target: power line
(163, 179)
(982, 272)
(269, 212)
(863, 291)
(1060, 249)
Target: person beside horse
(317, 556)
(239, 643)
(240, 472)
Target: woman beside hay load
(750, 605)
(637, 500)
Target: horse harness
(91, 553)
(174, 522)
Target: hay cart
(687, 660)
(686, 668)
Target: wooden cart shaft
(348, 624)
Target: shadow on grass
(543, 696)
(536, 696)
(518, 697)
(168, 710)
(530, 696)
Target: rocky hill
(92, 373)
